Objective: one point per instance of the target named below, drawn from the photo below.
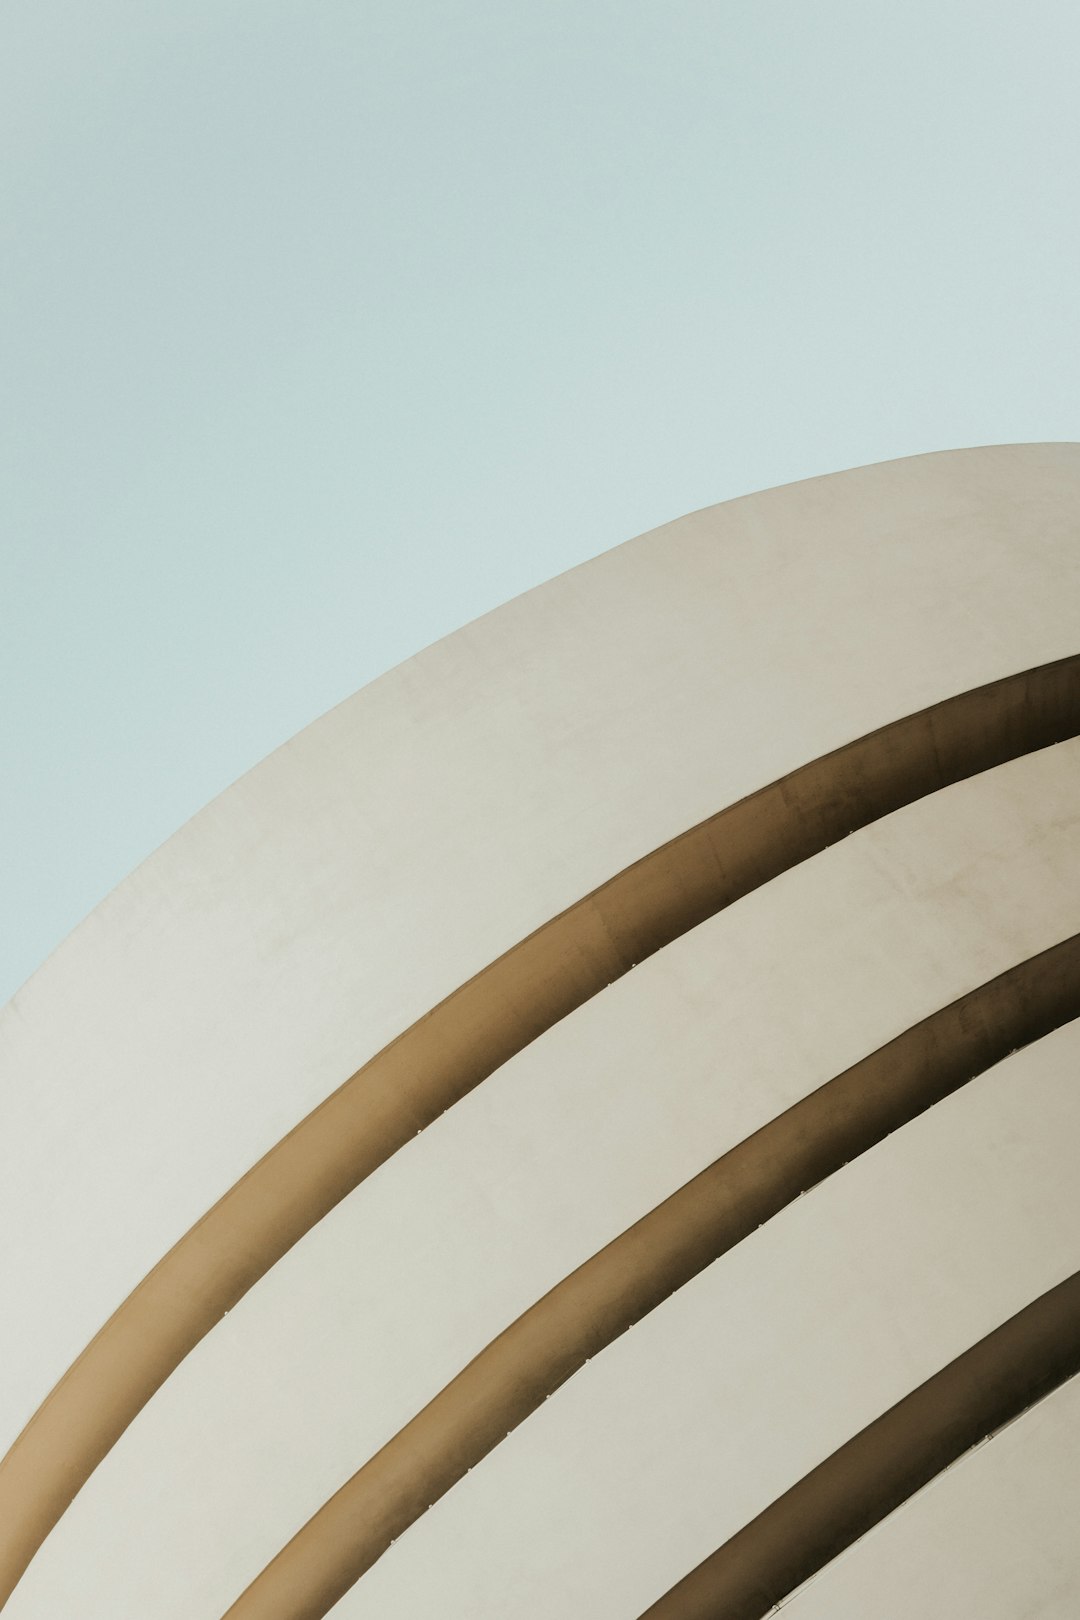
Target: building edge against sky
(516, 1003)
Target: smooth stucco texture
(994, 1536)
(401, 843)
(753, 1373)
(582, 1133)
(393, 850)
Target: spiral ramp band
(619, 1098)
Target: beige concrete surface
(995, 1536)
(693, 1422)
(990, 1384)
(394, 848)
(570, 1142)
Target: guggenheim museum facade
(591, 1127)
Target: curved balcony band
(993, 1536)
(394, 895)
(1033, 1353)
(635, 1273)
(466, 1037)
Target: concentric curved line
(887, 1462)
(455, 1046)
(591, 1307)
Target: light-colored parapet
(355, 879)
(561, 1150)
(689, 1426)
(995, 1536)
(673, 1243)
(463, 1040)
(330, 900)
(875, 1471)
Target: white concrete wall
(698, 1418)
(395, 848)
(995, 1536)
(338, 891)
(582, 1133)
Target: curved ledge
(893, 1457)
(514, 1374)
(479, 1027)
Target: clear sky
(329, 325)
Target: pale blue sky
(327, 326)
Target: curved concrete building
(590, 1126)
